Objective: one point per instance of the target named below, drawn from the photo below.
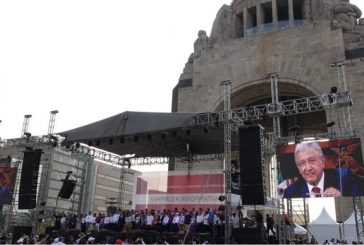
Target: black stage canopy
(150, 134)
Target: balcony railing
(268, 27)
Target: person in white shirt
(216, 225)
(89, 219)
(149, 220)
(199, 221)
(235, 222)
(175, 223)
(206, 224)
(115, 218)
(128, 225)
(107, 221)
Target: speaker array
(251, 166)
(67, 189)
(29, 179)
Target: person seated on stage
(315, 180)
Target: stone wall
(300, 56)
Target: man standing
(270, 224)
(315, 180)
(89, 219)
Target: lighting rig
(113, 158)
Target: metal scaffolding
(43, 186)
(338, 99)
(227, 158)
(25, 125)
(52, 122)
(358, 212)
(283, 108)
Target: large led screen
(331, 168)
(7, 183)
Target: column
(245, 20)
(260, 17)
(290, 13)
(275, 14)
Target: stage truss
(338, 98)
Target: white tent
(350, 229)
(299, 230)
(324, 227)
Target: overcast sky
(93, 59)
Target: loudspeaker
(251, 165)
(67, 189)
(19, 231)
(29, 179)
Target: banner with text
(169, 190)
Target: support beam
(227, 158)
(290, 13)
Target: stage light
(97, 142)
(29, 148)
(111, 141)
(149, 137)
(295, 128)
(128, 162)
(205, 130)
(333, 90)
(122, 140)
(89, 143)
(188, 132)
(221, 198)
(92, 152)
(85, 150)
(136, 138)
(330, 124)
(27, 135)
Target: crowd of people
(167, 224)
(153, 227)
(194, 221)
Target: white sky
(92, 59)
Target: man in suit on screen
(5, 194)
(315, 180)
